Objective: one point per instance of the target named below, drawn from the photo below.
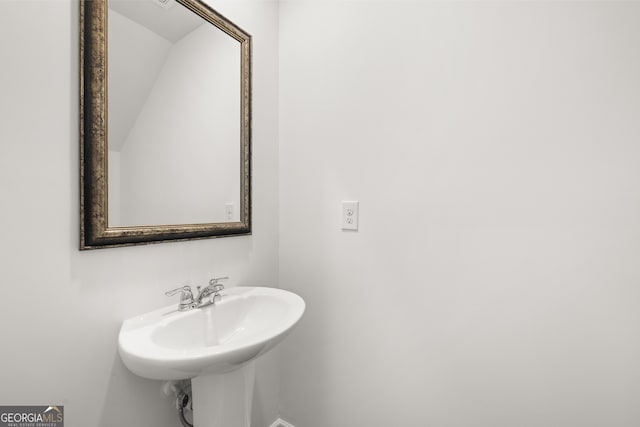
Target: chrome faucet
(208, 295)
(186, 298)
(212, 290)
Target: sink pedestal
(224, 400)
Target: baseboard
(281, 423)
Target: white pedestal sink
(215, 346)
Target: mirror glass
(174, 117)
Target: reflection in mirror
(174, 116)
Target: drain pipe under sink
(181, 390)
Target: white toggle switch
(350, 215)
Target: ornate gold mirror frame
(94, 225)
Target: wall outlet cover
(350, 215)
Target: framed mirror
(165, 123)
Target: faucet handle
(215, 280)
(217, 287)
(186, 290)
(186, 296)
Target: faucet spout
(212, 290)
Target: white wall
(494, 149)
(180, 163)
(136, 56)
(63, 308)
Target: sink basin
(215, 346)
(168, 344)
